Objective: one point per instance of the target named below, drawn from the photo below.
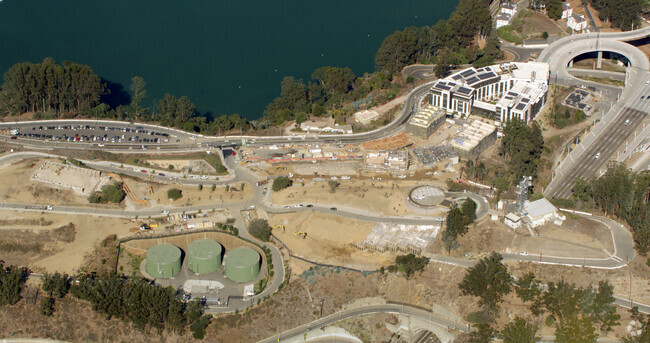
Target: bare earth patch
(328, 239)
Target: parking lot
(98, 134)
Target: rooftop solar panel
(521, 106)
(473, 80)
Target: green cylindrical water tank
(242, 264)
(204, 256)
(163, 261)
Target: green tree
(280, 183)
(333, 185)
(488, 279)
(56, 285)
(484, 334)
(174, 194)
(260, 229)
(12, 280)
(519, 331)
(554, 9)
(522, 147)
(47, 306)
(575, 329)
(139, 93)
(528, 288)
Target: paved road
(363, 310)
(619, 123)
(203, 143)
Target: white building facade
(503, 19)
(567, 11)
(520, 90)
(577, 22)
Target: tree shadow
(115, 95)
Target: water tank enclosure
(242, 264)
(204, 256)
(163, 261)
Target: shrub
(260, 229)
(281, 183)
(109, 193)
(174, 194)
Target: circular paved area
(427, 196)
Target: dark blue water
(227, 56)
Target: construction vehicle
(277, 227)
(58, 171)
(301, 234)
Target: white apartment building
(503, 19)
(509, 8)
(577, 22)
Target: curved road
(206, 142)
(363, 310)
(619, 123)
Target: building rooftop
(509, 5)
(539, 208)
(578, 18)
(426, 116)
(472, 135)
(566, 6)
(513, 217)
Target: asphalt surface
(612, 131)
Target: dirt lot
(538, 23)
(386, 197)
(43, 248)
(191, 195)
(328, 239)
(575, 238)
(17, 186)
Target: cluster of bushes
(280, 183)
(229, 228)
(408, 264)
(260, 229)
(174, 194)
(109, 193)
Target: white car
(597, 155)
(523, 253)
(164, 212)
(627, 121)
(297, 205)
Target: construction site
(399, 238)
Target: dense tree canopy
(457, 223)
(522, 147)
(624, 193)
(12, 280)
(621, 13)
(49, 87)
(519, 331)
(138, 301)
(489, 280)
(280, 183)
